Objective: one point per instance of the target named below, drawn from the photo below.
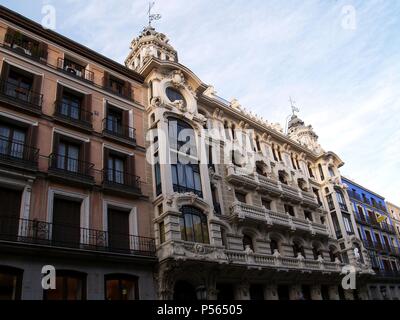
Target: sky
(338, 59)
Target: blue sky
(346, 81)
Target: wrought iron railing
(16, 152)
(121, 179)
(70, 236)
(71, 166)
(19, 94)
(119, 130)
(75, 70)
(73, 113)
(25, 46)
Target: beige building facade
(242, 210)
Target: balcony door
(12, 140)
(19, 85)
(10, 211)
(66, 222)
(114, 121)
(116, 169)
(68, 157)
(118, 230)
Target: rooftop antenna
(294, 110)
(152, 17)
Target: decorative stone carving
(155, 102)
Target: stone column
(316, 292)
(295, 292)
(271, 292)
(333, 293)
(164, 157)
(242, 291)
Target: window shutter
(5, 71)
(43, 51)
(125, 122)
(106, 157)
(31, 142)
(87, 107)
(131, 165)
(60, 90)
(56, 142)
(36, 88)
(9, 36)
(128, 90)
(106, 79)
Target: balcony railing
(16, 153)
(116, 129)
(49, 234)
(29, 48)
(76, 71)
(121, 179)
(73, 113)
(21, 96)
(183, 189)
(70, 167)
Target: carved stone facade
(279, 222)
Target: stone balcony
(246, 212)
(182, 250)
(252, 180)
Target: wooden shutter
(106, 79)
(128, 90)
(43, 51)
(106, 157)
(9, 36)
(56, 142)
(131, 163)
(60, 92)
(66, 221)
(31, 141)
(87, 107)
(9, 213)
(5, 71)
(36, 88)
(118, 229)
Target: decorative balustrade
(243, 211)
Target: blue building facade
(376, 229)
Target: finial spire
(293, 106)
(152, 17)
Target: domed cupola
(150, 44)
(303, 134)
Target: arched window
(194, 226)
(274, 152)
(174, 95)
(298, 248)
(248, 241)
(278, 149)
(258, 143)
(316, 251)
(341, 200)
(121, 287)
(274, 246)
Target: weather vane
(152, 17)
(294, 108)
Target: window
(347, 223)
(181, 134)
(226, 129)
(26, 45)
(10, 283)
(174, 95)
(266, 203)
(71, 105)
(68, 156)
(240, 196)
(298, 248)
(341, 200)
(310, 172)
(247, 241)
(283, 177)
(161, 227)
(12, 140)
(308, 215)
(70, 285)
(289, 209)
(278, 149)
(336, 225)
(186, 178)
(194, 226)
(121, 287)
(19, 85)
(116, 169)
(316, 252)
(293, 161)
(114, 120)
(321, 172)
(274, 152)
(331, 171)
(157, 174)
(274, 246)
(117, 85)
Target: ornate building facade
(73, 187)
(241, 209)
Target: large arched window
(194, 226)
(298, 248)
(248, 241)
(274, 246)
